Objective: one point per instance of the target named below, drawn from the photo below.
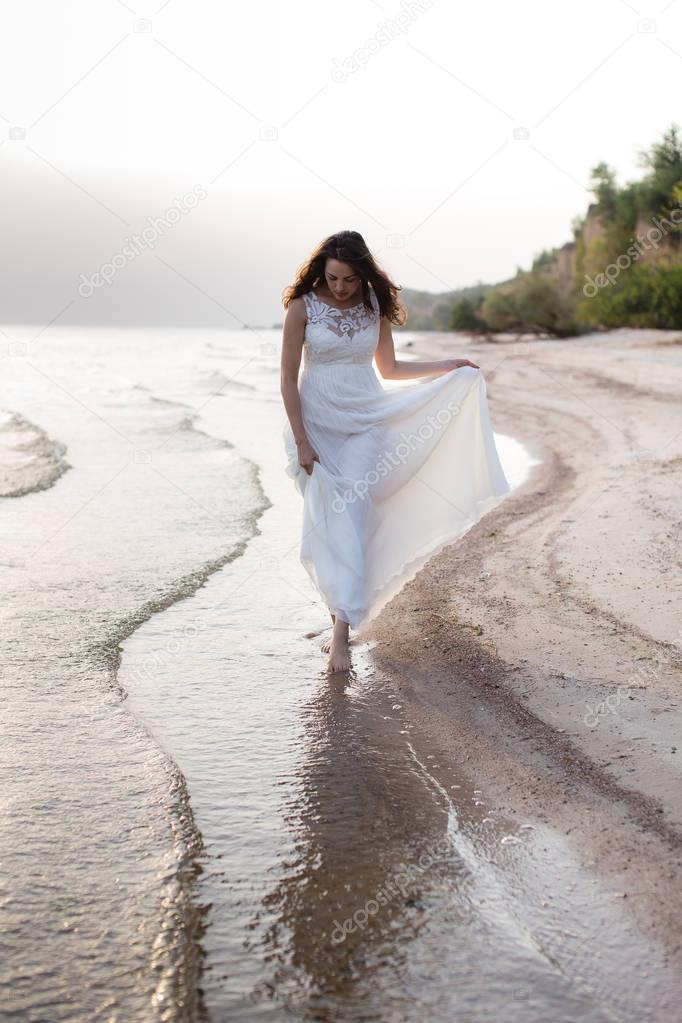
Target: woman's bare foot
(339, 653)
(326, 646)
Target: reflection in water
(349, 902)
(397, 894)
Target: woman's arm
(292, 349)
(401, 369)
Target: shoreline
(104, 816)
(552, 633)
(535, 591)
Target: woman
(388, 476)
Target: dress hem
(409, 569)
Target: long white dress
(403, 471)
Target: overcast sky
(457, 138)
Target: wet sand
(436, 834)
(461, 828)
(546, 646)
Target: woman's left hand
(458, 363)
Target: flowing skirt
(402, 473)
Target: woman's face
(342, 280)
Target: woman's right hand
(306, 456)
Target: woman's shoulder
(300, 302)
(297, 309)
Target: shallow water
(349, 869)
(96, 835)
(195, 813)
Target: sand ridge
(550, 636)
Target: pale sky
(298, 119)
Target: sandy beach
(547, 643)
(486, 809)
(219, 803)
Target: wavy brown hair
(349, 247)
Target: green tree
(645, 296)
(499, 311)
(542, 307)
(464, 317)
(664, 163)
(545, 259)
(603, 184)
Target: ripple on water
(98, 837)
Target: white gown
(402, 472)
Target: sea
(197, 821)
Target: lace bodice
(340, 335)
